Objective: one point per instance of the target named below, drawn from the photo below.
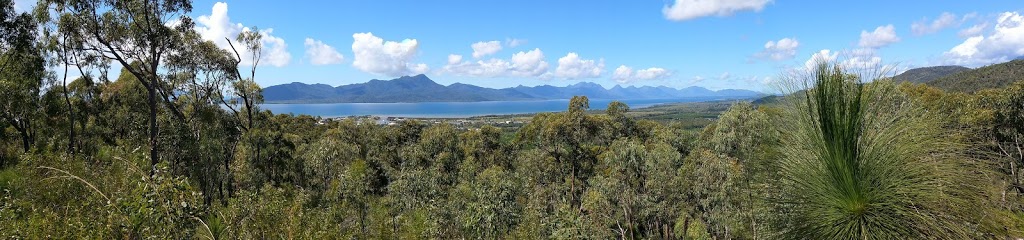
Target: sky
(726, 44)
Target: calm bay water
(454, 109)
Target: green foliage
(178, 148)
(927, 74)
(488, 205)
(633, 195)
(987, 77)
(862, 161)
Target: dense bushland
(178, 148)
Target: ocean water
(455, 109)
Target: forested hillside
(179, 148)
(988, 77)
(927, 74)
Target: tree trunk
(154, 158)
(26, 140)
(71, 115)
(686, 227)
(248, 109)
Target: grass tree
(861, 161)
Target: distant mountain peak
(586, 84)
(417, 77)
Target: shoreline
(319, 110)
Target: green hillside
(992, 76)
(926, 74)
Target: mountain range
(420, 88)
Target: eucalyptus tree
(633, 194)
(22, 71)
(482, 149)
(488, 206)
(712, 193)
(243, 88)
(126, 32)
(1009, 131)
(565, 137)
(744, 135)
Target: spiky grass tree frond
(860, 161)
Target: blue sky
(714, 44)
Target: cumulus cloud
(481, 49)
(697, 79)
(529, 63)
(573, 67)
(522, 64)
(454, 59)
(217, 26)
(781, 50)
(945, 20)
(823, 56)
(862, 59)
(515, 42)
(374, 55)
(857, 60)
(319, 53)
(625, 74)
(972, 31)
(724, 76)
(683, 10)
(652, 73)
(1004, 42)
(881, 37)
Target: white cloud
(322, 54)
(823, 56)
(972, 31)
(969, 16)
(372, 54)
(529, 63)
(683, 10)
(624, 74)
(522, 64)
(945, 20)
(967, 48)
(515, 42)
(481, 49)
(454, 59)
(862, 59)
(856, 60)
(652, 73)
(783, 49)
(881, 37)
(217, 26)
(697, 79)
(724, 76)
(573, 67)
(1004, 42)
